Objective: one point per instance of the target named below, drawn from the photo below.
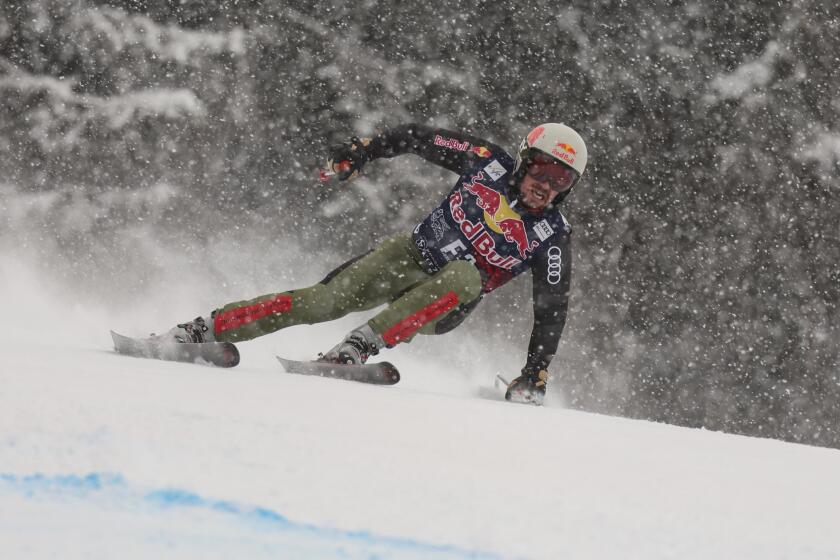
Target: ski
(381, 373)
(220, 354)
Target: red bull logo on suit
(499, 216)
(482, 242)
(454, 144)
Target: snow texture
(106, 456)
(706, 284)
(157, 160)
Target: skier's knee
(316, 304)
(462, 278)
(449, 321)
(453, 319)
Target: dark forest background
(707, 253)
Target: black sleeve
(551, 272)
(454, 151)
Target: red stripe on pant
(239, 316)
(413, 323)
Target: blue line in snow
(115, 488)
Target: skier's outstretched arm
(454, 151)
(551, 279)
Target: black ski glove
(528, 387)
(347, 160)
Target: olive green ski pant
(390, 274)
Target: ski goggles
(560, 177)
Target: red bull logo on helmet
(499, 216)
(567, 148)
(565, 152)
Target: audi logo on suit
(555, 266)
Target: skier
(500, 219)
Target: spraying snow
(104, 455)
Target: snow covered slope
(104, 456)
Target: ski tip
(231, 355)
(390, 371)
(219, 354)
(118, 340)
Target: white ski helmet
(557, 141)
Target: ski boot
(359, 345)
(196, 330)
(528, 388)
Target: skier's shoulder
(488, 151)
(566, 225)
(493, 163)
(555, 228)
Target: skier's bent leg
(429, 302)
(244, 320)
(362, 283)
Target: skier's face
(543, 181)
